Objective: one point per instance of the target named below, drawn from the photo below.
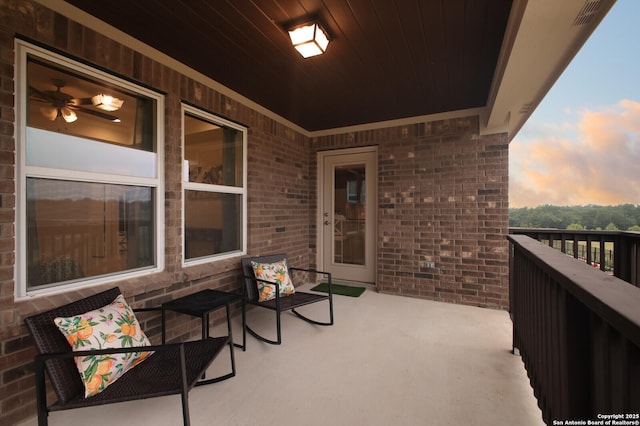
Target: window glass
(58, 150)
(349, 231)
(64, 101)
(90, 184)
(77, 230)
(212, 223)
(214, 199)
(213, 153)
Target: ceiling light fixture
(106, 102)
(67, 114)
(309, 39)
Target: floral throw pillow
(112, 326)
(274, 272)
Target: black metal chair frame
(172, 369)
(280, 303)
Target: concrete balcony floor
(388, 360)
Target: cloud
(595, 161)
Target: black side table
(201, 304)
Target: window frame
(220, 189)
(23, 50)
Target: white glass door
(348, 214)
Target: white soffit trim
(542, 38)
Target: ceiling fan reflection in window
(63, 105)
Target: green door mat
(344, 290)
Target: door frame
(373, 216)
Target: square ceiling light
(309, 39)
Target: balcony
(388, 360)
(576, 326)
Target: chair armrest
(73, 354)
(158, 308)
(313, 271)
(277, 298)
(264, 281)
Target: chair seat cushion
(112, 326)
(274, 272)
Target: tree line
(624, 217)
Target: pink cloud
(599, 164)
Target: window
(214, 187)
(90, 183)
(356, 190)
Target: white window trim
(186, 185)
(22, 50)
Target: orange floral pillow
(276, 273)
(112, 326)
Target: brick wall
(279, 195)
(442, 198)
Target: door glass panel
(349, 214)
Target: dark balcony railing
(615, 252)
(578, 331)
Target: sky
(582, 143)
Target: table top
(201, 302)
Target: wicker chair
(280, 303)
(172, 369)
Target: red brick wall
(279, 195)
(442, 198)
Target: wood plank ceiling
(387, 59)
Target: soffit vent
(588, 12)
(526, 108)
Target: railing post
(512, 305)
(633, 264)
(603, 253)
(620, 264)
(578, 364)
